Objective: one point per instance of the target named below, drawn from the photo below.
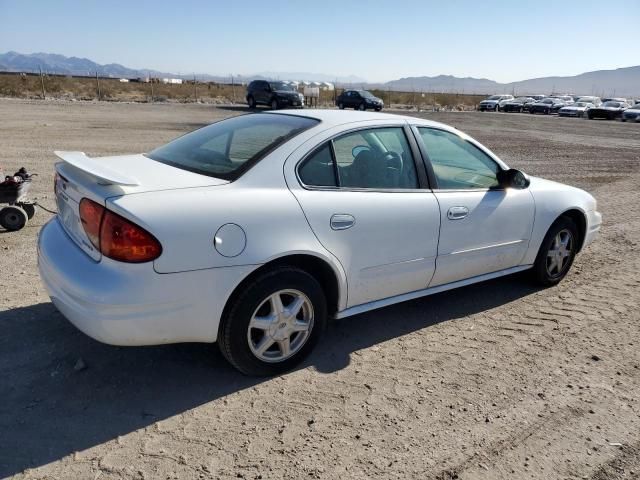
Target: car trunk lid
(79, 176)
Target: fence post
(195, 87)
(98, 85)
(44, 96)
(233, 89)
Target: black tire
(341, 106)
(378, 109)
(233, 334)
(540, 271)
(362, 107)
(275, 105)
(29, 208)
(252, 102)
(13, 218)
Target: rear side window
(318, 170)
(228, 148)
(377, 158)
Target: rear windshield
(228, 148)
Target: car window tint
(249, 138)
(318, 170)
(217, 144)
(375, 158)
(458, 163)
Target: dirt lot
(498, 380)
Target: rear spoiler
(96, 168)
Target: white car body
(216, 233)
(495, 102)
(578, 109)
(590, 99)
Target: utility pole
(98, 85)
(44, 97)
(195, 88)
(233, 89)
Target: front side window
(375, 158)
(457, 163)
(226, 149)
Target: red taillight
(91, 217)
(117, 237)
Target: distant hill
(54, 63)
(621, 82)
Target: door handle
(457, 213)
(342, 221)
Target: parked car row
(588, 106)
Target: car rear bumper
(131, 304)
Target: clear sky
(378, 40)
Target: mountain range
(620, 82)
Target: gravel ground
(498, 380)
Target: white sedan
(253, 231)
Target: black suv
(359, 99)
(274, 94)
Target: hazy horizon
(377, 41)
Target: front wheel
(556, 253)
(252, 102)
(274, 323)
(274, 104)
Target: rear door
(484, 228)
(366, 200)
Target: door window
(457, 163)
(375, 158)
(318, 170)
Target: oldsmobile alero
(253, 231)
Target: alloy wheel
(559, 253)
(280, 326)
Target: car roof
(330, 118)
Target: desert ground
(500, 380)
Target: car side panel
(493, 236)
(185, 221)
(552, 200)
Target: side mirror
(513, 178)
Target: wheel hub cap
(559, 253)
(280, 326)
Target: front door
(362, 198)
(484, 228)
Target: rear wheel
(252, 102)
(556, 253)
(341, 106)
(274, 323)
(362, 107)
(13, 218)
